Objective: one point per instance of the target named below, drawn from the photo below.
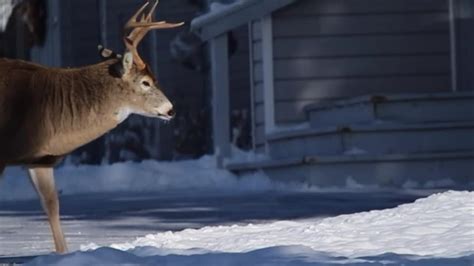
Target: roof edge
(231, 16)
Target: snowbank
(192, 176)
(422, 228)
(434, 230)
(288, 256)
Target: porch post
(220, 97)
(268, 82)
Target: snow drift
(193, 176)
(435, 230)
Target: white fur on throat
(122, 114)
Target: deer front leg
(43, 181)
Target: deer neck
(90, 107)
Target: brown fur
(50, 112)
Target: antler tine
(152, 11)
(146, 23)
(133, 19)
(141, 28)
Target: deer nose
(165, 109)
(171, 113)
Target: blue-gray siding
(331, 49)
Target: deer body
(46, 113)
(51, 112)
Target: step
(378, 139)
(402, 108)
(430, 170)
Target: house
(366, 91)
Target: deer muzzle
(166, 111)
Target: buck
(46, 113)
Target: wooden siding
(331, 49)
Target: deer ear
(116, 70)
(127, 62)
(122, 67)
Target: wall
(325, 50)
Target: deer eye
(146, 83)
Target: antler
(141, 28)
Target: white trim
(268, 83)
(219, 55)
(452, 41)
(233, 15)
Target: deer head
(143, 92)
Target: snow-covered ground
(423, 228)
(438, 230)
(190, 213)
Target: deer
(46, 113)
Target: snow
(240, 156)
(439, 219)
(191, 213)
(272, 256)
(148, 176)
(189, 176)
(437, 230)
(6, 9)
